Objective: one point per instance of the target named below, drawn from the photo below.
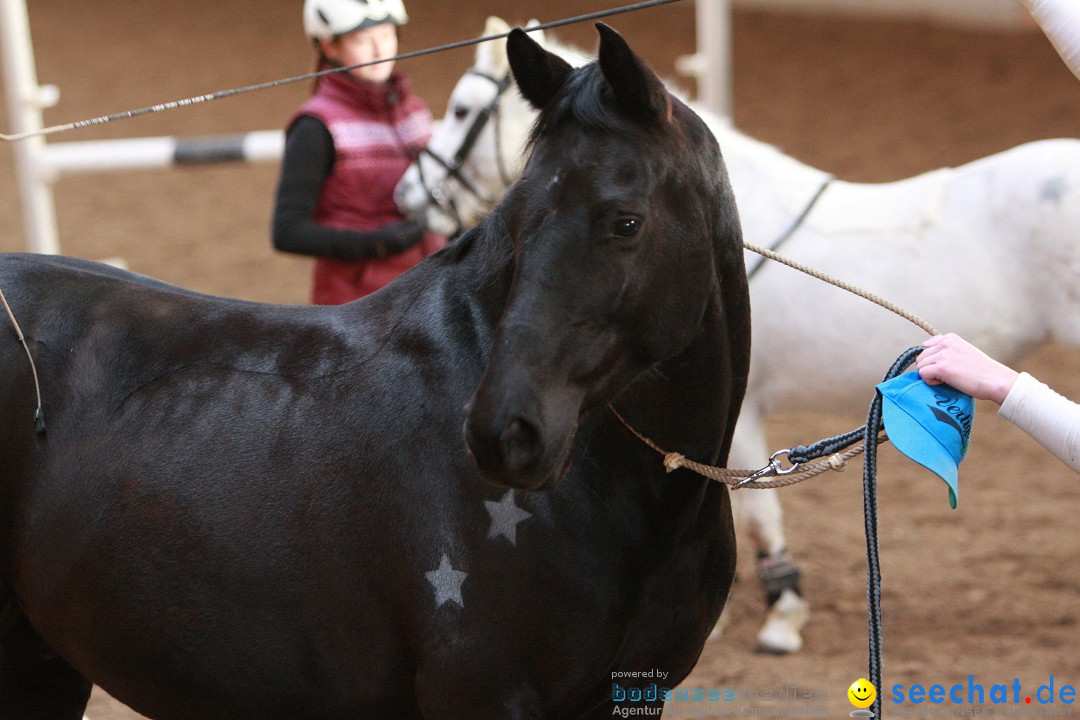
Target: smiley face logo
(862, 693)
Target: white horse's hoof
(780, 634)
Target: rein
(489, 112)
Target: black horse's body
(251, 511)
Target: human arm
(952, 360)
(1050, 419)
(308, 160)
(1060, 20)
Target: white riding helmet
(327, 19)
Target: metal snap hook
(773, 469)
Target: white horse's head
(475, 153)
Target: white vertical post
(710, 65)
(25, 100)
(714, 43)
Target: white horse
(989, 250)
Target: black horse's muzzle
(514, 445)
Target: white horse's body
(989, 250)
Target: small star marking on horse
(447, 583)
(505, 516)
(1053, 189)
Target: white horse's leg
(778, 573)
(760, 514)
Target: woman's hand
(952, 360)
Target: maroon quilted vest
(377, 131)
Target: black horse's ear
(637, 88)
(539, 74)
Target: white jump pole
(162, 152)
(38, 164)
(710, 65)
(25, 100)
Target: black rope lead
(870, 522)
(873, 562)
(870, 435)
(802, 454)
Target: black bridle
(453, 166)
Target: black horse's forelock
(586, 98)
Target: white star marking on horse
(447, 583)
(505, 516)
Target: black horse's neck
(684, 403)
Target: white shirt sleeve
(1052, 420)
(1060, 20)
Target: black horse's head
(616, 224)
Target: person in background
(1049, 418)
(346, 148)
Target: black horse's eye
(626, 227)
(461, 112)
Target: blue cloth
(930, 424)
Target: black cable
(221, 94)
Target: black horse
(249, 511)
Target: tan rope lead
(673, 461)
(836, 461)
(927, 327)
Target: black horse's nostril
(520, 445)
(505, 453)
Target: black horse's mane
(490, 241)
